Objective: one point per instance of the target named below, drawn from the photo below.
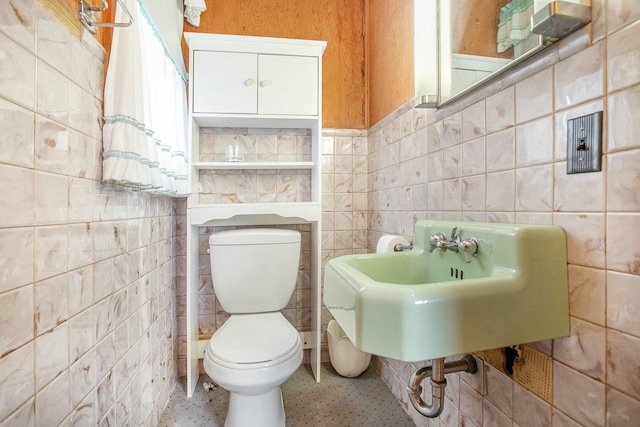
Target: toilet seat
(253, 341)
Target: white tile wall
(106, 259)
(503, 159)
(87, 289)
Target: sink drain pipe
(436, 372)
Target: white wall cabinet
(246, 83)
(253, 82)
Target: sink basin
(423, 304)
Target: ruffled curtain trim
(145, 107)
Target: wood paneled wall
(475, 29)
(341, 23)
(390, 56)
(365, 76)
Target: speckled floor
(336, 401)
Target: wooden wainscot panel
(390, 59)
(340, 23)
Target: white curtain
(145, 110)
(515, 23)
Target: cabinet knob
(249, 82)
(265, 83)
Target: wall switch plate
(584, 144)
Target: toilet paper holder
(389, 243)
(401, 248)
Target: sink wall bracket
(436, 373)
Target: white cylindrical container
(346, 359)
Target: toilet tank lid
(254, 236)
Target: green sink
(429, 302)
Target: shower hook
(86, 14)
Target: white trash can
(346, 359)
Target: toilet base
(264, 410)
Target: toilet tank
(254, 270)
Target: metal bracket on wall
(86, 14)
(560, 18)
(428, 101)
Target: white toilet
(256, 350)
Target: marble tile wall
(500, 156)
(255, 186)
(87, 290)
(344, 201)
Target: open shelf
(252, 165)
(255, 121)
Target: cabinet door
(288, 85)
(224, 82)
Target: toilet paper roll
(387, 242)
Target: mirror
(481, 38)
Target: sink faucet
(469, 247)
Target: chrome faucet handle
(454, 234)
(435, 241)
(470, 247)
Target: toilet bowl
(251, 356)
(256, 350)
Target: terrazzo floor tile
(336, 401)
